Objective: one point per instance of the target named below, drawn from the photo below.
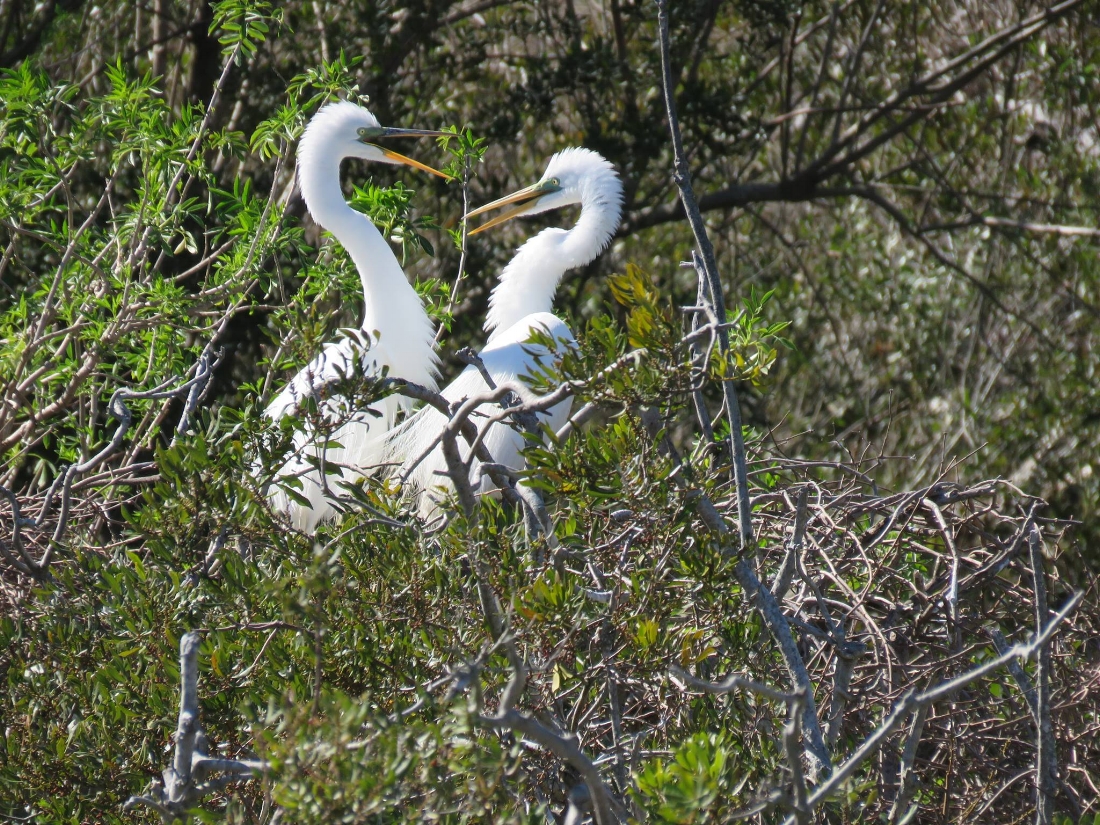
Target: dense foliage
(902, 199)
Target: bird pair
(396, 335)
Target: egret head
(573, 176)
(345, 130)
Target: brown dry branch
(876, 596)
(62, 487)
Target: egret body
(520, 304)
(396, 333)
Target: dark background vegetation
(916, 185)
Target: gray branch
(908, 785)
(707, 267)
(777, 625)
(731, 684)
(790, 563)
(846, 653)
(791, 734)
(187, 780)
(1027, 688)
(1046, 762)
(913, 701)
(566, 749)
(712, 296)
(780, 630)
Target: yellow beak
(399, 158)
(526, 198)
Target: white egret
(520, 304)
(396, 332)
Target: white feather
(520, 303)
(396, 333)
(507, 359)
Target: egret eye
(368, 132)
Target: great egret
(520, 304)
(396, 332)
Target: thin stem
(462, 248)
(1046, 760)
(709, 268)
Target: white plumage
(396, 332)
(520, 303)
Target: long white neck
(392, 309)
(528, 283)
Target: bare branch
(846, 653)
(461, 273)
(732, 683)
(790, 563)
(913, 700)
(780, 630)
(707, 267)
(1046, 760)
(791, 734)
(1019, 226)
(565, 748)
(187, 780)
(908, 759)
(844, 152)
(1027, 688)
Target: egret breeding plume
(396, 332)
(519, 305)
